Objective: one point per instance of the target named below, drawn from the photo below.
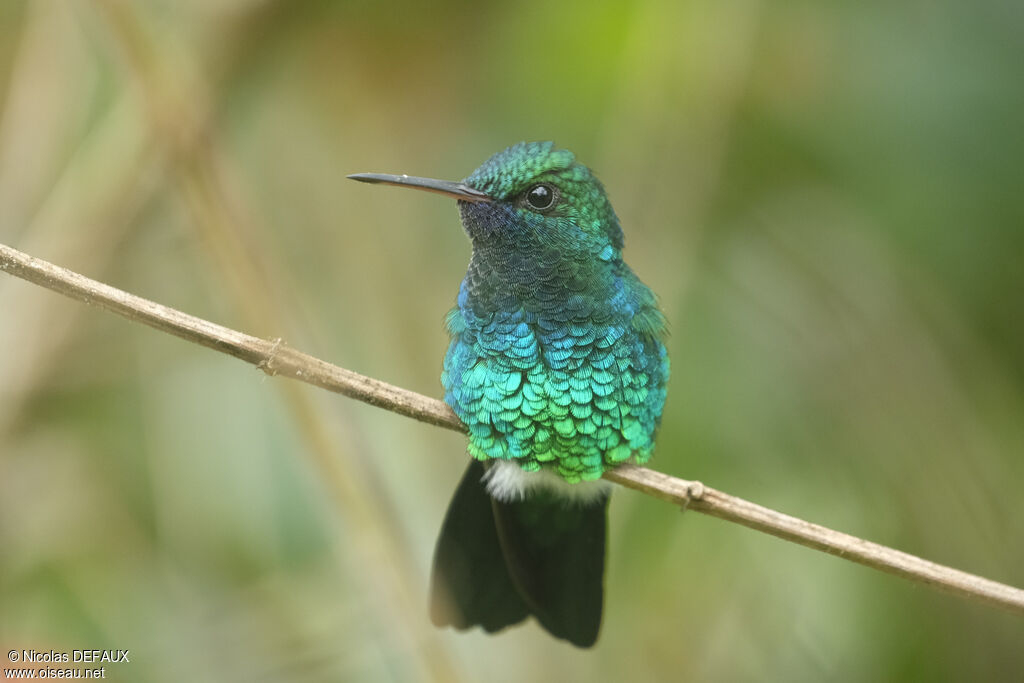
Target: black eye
(541, 197)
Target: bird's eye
(541, 197)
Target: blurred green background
(828, 198)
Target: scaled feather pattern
(557, 357)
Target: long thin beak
(447, 188)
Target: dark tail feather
(497, 563)
(470, 584)
(554, 552)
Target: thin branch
(276, 358)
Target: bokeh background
(828, 198)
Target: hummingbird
(557, 366)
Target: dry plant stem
(694, 495)
(275, 358)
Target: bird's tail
(497, 563)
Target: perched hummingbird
(558, 369)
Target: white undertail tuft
(507, 481)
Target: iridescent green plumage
(556, 357)
(558, 369)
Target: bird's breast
(563, 390)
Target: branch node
(694, 491)
(267, 364)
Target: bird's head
(530, 197)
